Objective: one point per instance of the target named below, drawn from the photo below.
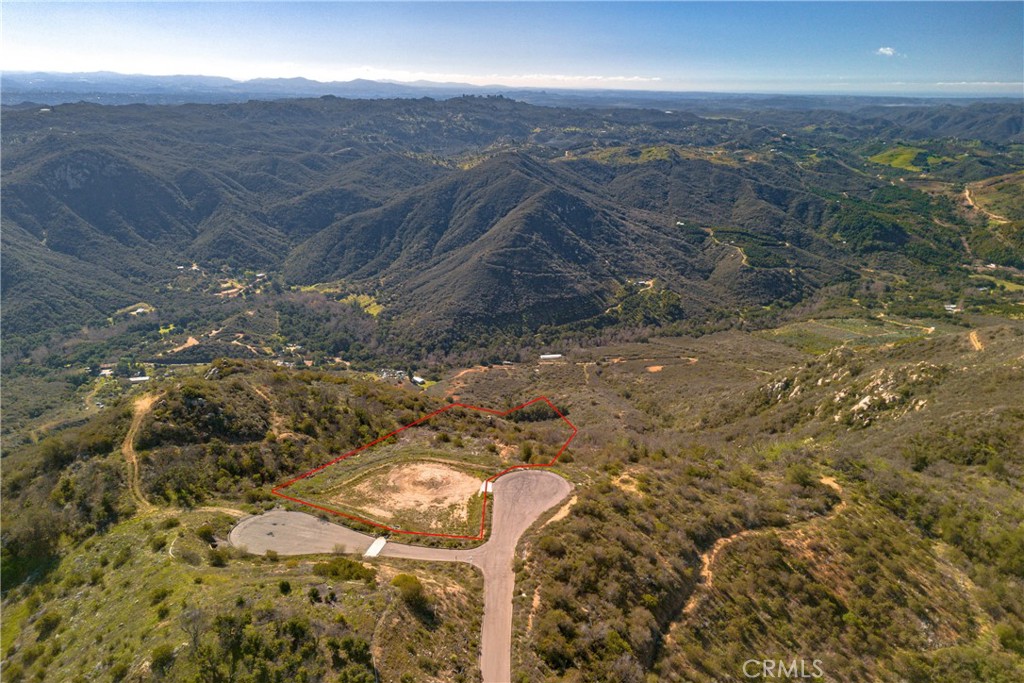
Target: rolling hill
(464, 217)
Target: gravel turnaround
(519, 498)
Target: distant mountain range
(114, 88)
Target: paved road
(295, 533)
(519, 499)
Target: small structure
(106, 372)
(550, 356)
(416, 379)
(142, 378)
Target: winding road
(520, 497)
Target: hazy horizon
(899, 49)
(497, 87)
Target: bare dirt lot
(421, 488)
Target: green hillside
(873, 489)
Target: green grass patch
(14, 618)
(368, 303)
(333, 287)
(935, 160)
(146, 308)
(1005, 284)
(1012, 311)
(901, 156)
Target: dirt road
(143, 404)
(519, 499)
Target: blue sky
(821, 47)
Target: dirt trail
(707, 559)
(456, 383)
(563, 511)
(976, 342)
(231, 512)
(140, 409)
(534, 606)
(834, 485)
(38, 432)
(743, 255)
(993, 216)
(707, 574)
(143, 404)
(192, 341)
(277, 425)
(91, 396)
(926, 330)
(586, 371)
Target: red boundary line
(483, 515)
